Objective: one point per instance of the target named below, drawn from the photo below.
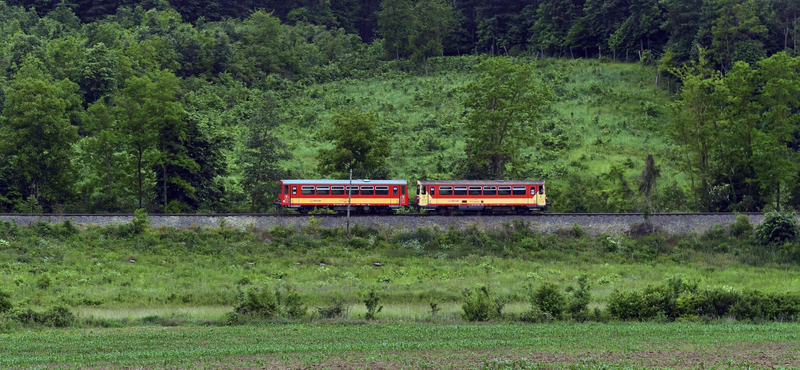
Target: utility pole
(349, 200)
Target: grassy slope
(606, 113)
(195, 275)
(592, 346)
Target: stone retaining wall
(545, 223)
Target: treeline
(738, 133)
(143, 110)
(632, 29)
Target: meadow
(115, 276)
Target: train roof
(344, 182)
(480, 182)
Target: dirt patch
(761, 355)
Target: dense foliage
(201, 106)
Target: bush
(293, 306)
(627, 305)
(479, 305)
(549, 300)
(578, 304)
(5, 302)
(742, 227)
(58, 316)
(335, 310)
(261, 303)
(371, 301)
(140, 222)
(777, 228)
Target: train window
(489, 190)
(286, 189)
(445, 190)
(433, 190)
(294, 190)
(541, 191)
(474, 190)
(382, 190)
(323, 190)
(367, 190)
(307, 190)
(519, 190)
(394, 190)
(353, 190)
(420, 189)
(402, 190)
(461, 190)
(337, 190)
(533, 190)
(504, 190)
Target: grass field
(512, 346)
(191, 276)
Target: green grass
(196, 275)
(409, 346)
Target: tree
(394, 25)
(152, 121)
(737, 32)
(648, 185)
(697, 115)
(434, 21)
(781, 86)
(36, 135)
(358, 144)
(259, 160)
(503, 106)
(172, 161)
(103, 159)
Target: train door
(395, 199)
(293, 193)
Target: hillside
(607, 117)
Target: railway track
(354, 215)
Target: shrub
(335, 310)
(140, 222)
(742, 227)
(371, 301)
(479, 305)
(58, 316)
(777, 228)
(5, 302)
(293, 306)
(44, 282)
(628, 305)
(578, 305)
(642, 228)
(261, 303)
(549, 300)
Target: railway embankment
(592, 224)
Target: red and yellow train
(385, 196)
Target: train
(388, 196)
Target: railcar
(379, 196)
(487, 196)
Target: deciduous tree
(503, 106)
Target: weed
(371, 300)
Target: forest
(195, 106)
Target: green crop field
(513, 346)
